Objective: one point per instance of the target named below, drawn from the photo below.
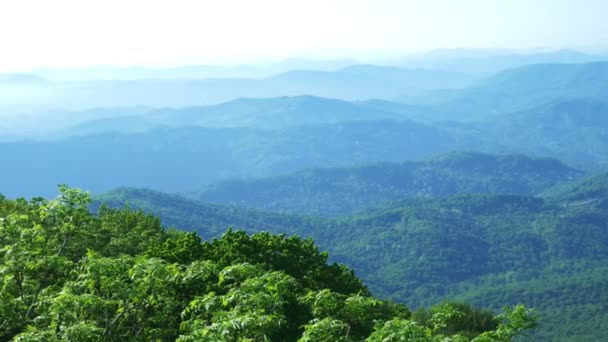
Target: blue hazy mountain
(180, 158)
(490, 61)
(352, 83)
(270, 113)
(507, 92)
(341, 191)
(360, 82)
(273, 113)
(524, 87)
(575, 130)
(260, 70)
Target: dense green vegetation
(206, 219)
(341, 191)
(589, 190)
(68, 275)
(489, 249)
(570, 298)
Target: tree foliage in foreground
(68, 275)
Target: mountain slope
(118, 275)
(587, 191)
(527, 86)
(342, 191)
(573, 130)
(489, 249)
(180, 159)
(272, 113)
(208, 220)
(263, 113)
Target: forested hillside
(489, 249)
(209, 220)
(341, 191)
(589, 191)
(68, 275)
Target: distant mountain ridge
(189, 71)
(342, 191)
(252, 138)
(489, 61)
(181, 158)
(575, 130)
(274, 113)
(178, 159)
(530, 85)
(367, 87)
(352, 83)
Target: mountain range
(467, 175)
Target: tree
(69, 275)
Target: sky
(77, 33)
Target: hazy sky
(148, 32)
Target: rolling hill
(180, 159)
(488, 249)
(527, 86)
(272, 113)
(265, 113)
(573, 130)
(591, 190)
(209, 220)
(341, 191)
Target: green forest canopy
(486, 249)
(69, 275)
